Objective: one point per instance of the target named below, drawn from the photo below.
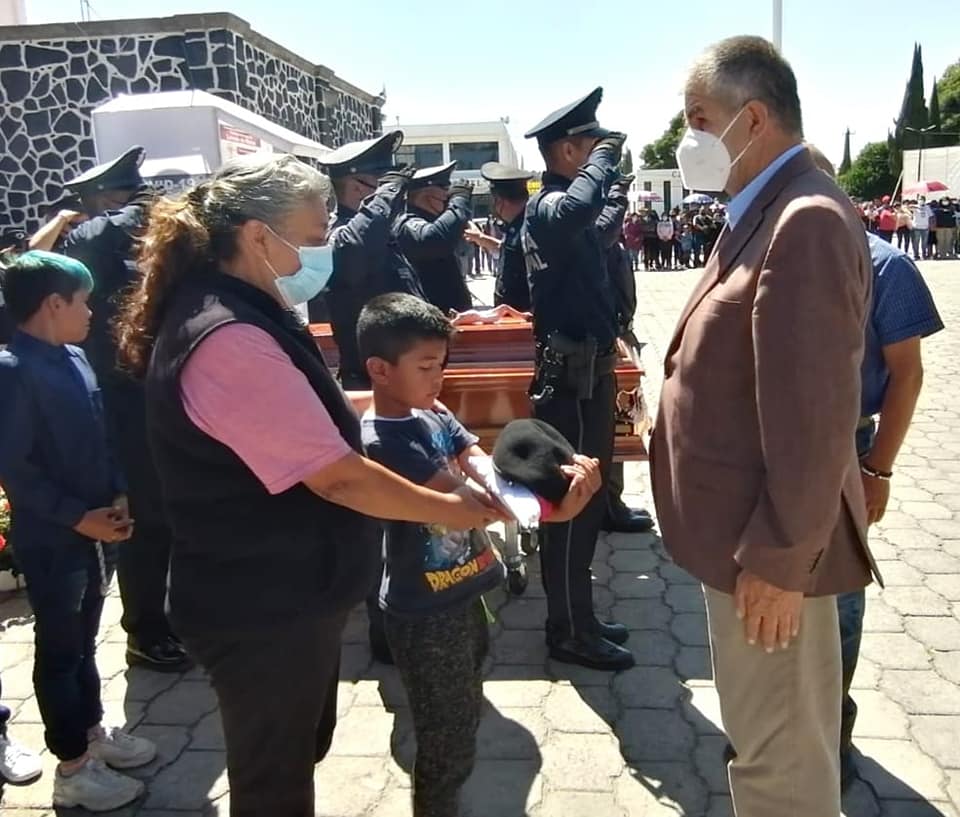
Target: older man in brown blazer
(755, 474)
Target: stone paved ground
(558, 741)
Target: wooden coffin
(488, 375)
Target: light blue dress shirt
(741, 202)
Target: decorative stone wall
(51, 79)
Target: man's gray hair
(739, 69)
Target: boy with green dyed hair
(68, 514)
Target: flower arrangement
(7, 561)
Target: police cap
(505, 180)
(371, 156)
(438, 176)
(576, 119)
(120, 174)
(530, 452)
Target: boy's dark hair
(389, 325)
(30, 278)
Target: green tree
(870, 177)
(661, 154)
(935, 107)
(948, 97)
(626, 164)
(847, 161)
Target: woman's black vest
(241, 557)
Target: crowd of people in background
(925, 229)
(673, 240)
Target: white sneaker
(17, 764)
(120, 750)
(95, 788)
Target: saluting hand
(770, 615)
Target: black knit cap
(530, 453)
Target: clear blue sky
(448, 61)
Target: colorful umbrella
(648, 195)
(925, 186)
(698, 198)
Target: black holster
(569, 365)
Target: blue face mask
(316, 267)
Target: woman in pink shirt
(270, 498)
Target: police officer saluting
(116, 200)
(508, 190)
(366, 259)
(429, 232)
(575, 324)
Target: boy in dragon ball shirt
(434, 577)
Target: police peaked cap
(371, 156)
(438, 176)
(530, 453)
(506, 179)
(122, 173)
(576, 119)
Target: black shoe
(591, 650)
(628, 520)
(612, 631)
(164, 656)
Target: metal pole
(778, 24)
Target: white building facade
(665, 183)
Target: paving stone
(632, 541)
(948, 665)
(520, 647)
(185, 703)
(879, 717)
(934, 632)
(641, 614)
(932, 561)
(194, 779)
(690, 629)
(579, 804)
(364, 732)
(645, 687)
(867, 675)
(942, 528)
(142, 685)
(585, 763)
(693, 663)
(171, 741)
(910, 537)
(898, 574)
(527, 688)
(637, 586)
(894, 650)
(348, 787)
(634, 561)
(653, 648)
(897, 769)
(916, 601)
(524, 614)
(915, 808)
(722, 806)
(208, 733)
(926, 510)
(947, 586)
(587, 709)
(676, 575)
(656, 735)
(708, 758)
(355, 660)
(953, 786)
(921, 692)
(500, 787)
(393, 803)
(880, 617)
(939, 737)
(702, 709)
(661, 790)
(511, 734)
(685, 598)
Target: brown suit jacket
(753, 459)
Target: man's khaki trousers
(781, 711)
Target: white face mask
(704, 160)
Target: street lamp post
(778, 24)
(922, 132)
